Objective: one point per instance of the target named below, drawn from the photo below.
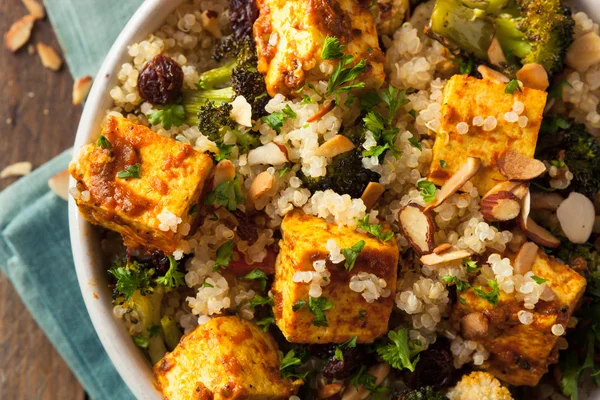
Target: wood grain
(37, 122)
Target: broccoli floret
(529, 31)
(346, 173)
(423, 393)
(567, 142)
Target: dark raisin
(434, 367)
(245, 229)
(242, 14)
(160, 262)
(160, 80)
(353, 359)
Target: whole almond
(50, 59)
(19, 33)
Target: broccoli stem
(170, 331)
(218, 76)
(194, 99)
(511, 39)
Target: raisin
(245, 229)
(160, 262)
(160, 80)
(434, 368)
(242, 14)
(341, 369)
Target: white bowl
(91, 270)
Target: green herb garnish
(318, 306)
(374, 229)
(512, 86)
(169, 115)
(173, 278)
(131, 171)
(228, 194)
(352, 253)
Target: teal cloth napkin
(35, 252)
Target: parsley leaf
(289, 362)
(208, 285)
(465, 66)
(362, 314)
(427, 190)
(556, 91)
(339, 354)
(258, 300)
(228, 194)
(258, 275)
(394, 99)
(332, 49)
(470, 265)
(374, 229)
(224, 152)
(130, 277)
(103, 142)
(318, 306)
(342, 75)
(276, 119)
(282, 172)
(173, 278)
(554, 124)
(461, 286)
(224, 253)
(169, 115)
(492, 295)
(141, 341)
(364, 379)
(306, 99)
(401, 352)
(265, 323)
(557, 164)
(538, 280)
(374, 121)
(154, 330)
(369, 100)
(194, 209)
(298, 305)
(414, 141)
(131, 171)
(443, 164)
(512, 87)
(349, 344)
(352, 253)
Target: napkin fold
(35, 251)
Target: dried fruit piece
(19, 33)
(224, 172)
(435, 259)
(242, 14)
(515, 166)
(260, 185)
(371, 194)
(576, 215)
(534, 76)
(495, 53)
(35, 9)
(500, 206)
(50, 59)
(160, 80)
(474, 325)
(417, 227)
(462, 176)
(442, 248)
(525, 258)
(59, 184)
(17, 169)
(336, 145)
(269, 154)
(81, 88)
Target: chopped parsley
(224, 152)
(352, 253)
(306, 99)
(512, 87)
(461, 286)
(470, 265)
(414, 141)
(289, 362)
(298, 305)
(343, 74)
(374, 229)
(349, 344)
(554, 124)
(427, 190)
(465, 66)
(443, 164)
(169, 115)
(208, 285)
(275, 120)
(224, 253)
(258, 300)
(538, 280)
(557, 164)
(368, 381)
(556, 91)
(362, 314)
(265, 323)
(141, 341)
(369, 100)
(401, 353)
(257, 275)
(228, 194)
(413, 113)
(492, 295)
(194, 209)
(131, 171)
(173, 278)
(339, 354)
(103, 142)
(154, 330)
(283, 171)
(131, 277)
(318, 306)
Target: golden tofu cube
(290, 34)
(304, 241)
(149, 208)
(520, 354)
(465, 98)
(225, 358)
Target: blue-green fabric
(35, 252)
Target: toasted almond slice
(518, 239)
(539, 234)
(435, 259)
(519, 189)
(525, 258)
(584, 52)
(50, 59)
(417, 227)
(495, 53)
(372, 193)
(59, 184)
(546, 201)
(456, 181)
(336, 145)
(269, 154)
(19, 33)
(515, 166)
(326, 391)
(474, 325)
(35, 9)
(501, 206)
(209, 19)
(492, 74)
(533, 76)
(442, 248)
(81, 88)
(321, 113)
(576, 215)
(21, 168)
(260, 185)
(224, 171)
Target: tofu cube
(304, 242)
(290, 34)
(149, 208)
(521, 354)
(465, 98)
(225, 358)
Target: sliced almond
(539, 234)
(269, 154)
(492, 74)
(515, 166)
(495, 53)
(584, 52)
(533, 76)
(336, 145)
(525, 258)
(81, 88)
(19, 33)
(417, 227)
(576, 215)
(321, 113)
(326, 391)
(260, 185)
(442, 248)
(501, 206)
(546, 201)
(35, 8)
(474, 325)
(224, 172)
(209, 20)
(519, 189)
(435, 259)
(517, 240)
(59, 184)
(17, 169)
(462, 176)
(372, 193)
(50, 59)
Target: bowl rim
(129, 361)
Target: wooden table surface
(37, 122)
